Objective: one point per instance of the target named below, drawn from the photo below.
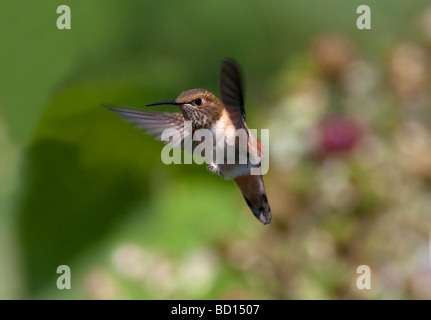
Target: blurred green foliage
(80, 187)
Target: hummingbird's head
(198, 98)
(199, 106)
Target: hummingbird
(201, 109)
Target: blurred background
(349, 181)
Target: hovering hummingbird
(203, 110)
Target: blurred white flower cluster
(155, 274)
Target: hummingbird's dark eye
(198, 101)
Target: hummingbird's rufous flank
(200, 109)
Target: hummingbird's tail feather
(254, 193)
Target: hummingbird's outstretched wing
(231, 91)
(155, 123)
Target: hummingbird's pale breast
(225, 124)
(228, 137)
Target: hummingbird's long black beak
(162, 102)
